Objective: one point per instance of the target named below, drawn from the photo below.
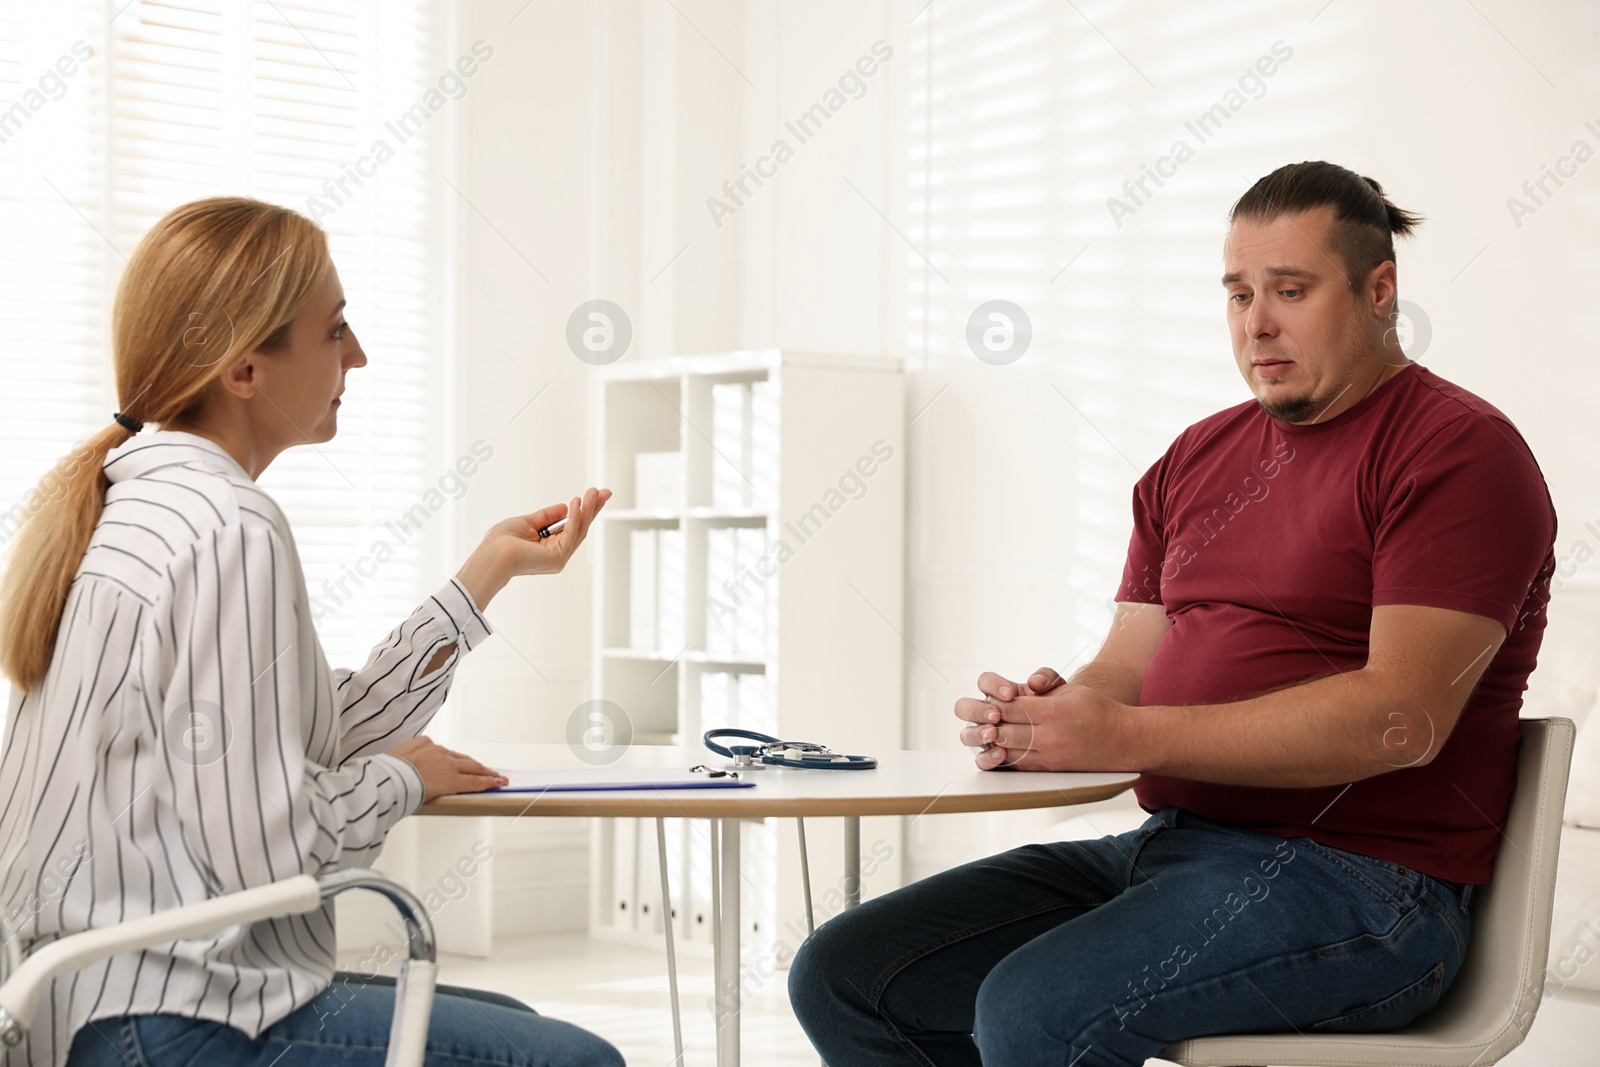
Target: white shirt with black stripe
(190, 740)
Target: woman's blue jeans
(1102, 953)
(347, 1025)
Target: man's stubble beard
(1292, 410)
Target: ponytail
(59, 518)
(1401, 221)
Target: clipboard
(610, 779)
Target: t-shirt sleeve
(1467, 525)
(1147, 547)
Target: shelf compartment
(641, 416)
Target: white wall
(532, 176)
(594, 139)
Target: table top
(903, 783)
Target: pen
(553, 528)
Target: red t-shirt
(1270, 544)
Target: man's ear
(1382, 290)
(240, 379)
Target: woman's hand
(527, 553)
(443, 771)
(514, 547)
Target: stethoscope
(772, 752)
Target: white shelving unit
(779, 575)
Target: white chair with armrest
(26, 979)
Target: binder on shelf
(624, 870)
(719, 702)
(642, 585)
(730, 445)
(760, 853)
(757, 710)
(670, 578)
(764, 443)
(750, 631)
(699, 921)
(722, 612)
(647, 916)
(677, 886)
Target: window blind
(1025, 120)
(278, 100)
(51, 263)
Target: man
(1333, 597)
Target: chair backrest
(1491, 1004)
(1501, 983)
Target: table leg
(727, 949)
(805, 878)
(715, 826)
(852, 860)
(667, 920)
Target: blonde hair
(211, 281)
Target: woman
(175, 731)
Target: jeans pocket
(1391, 1012)
(1390, 883)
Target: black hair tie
(127, 422)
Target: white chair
(1488, 1009)
(26, 979)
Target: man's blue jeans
(1101, 953)
(347, 1025)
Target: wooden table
(904, 783)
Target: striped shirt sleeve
(392, 697)
(232, 662)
